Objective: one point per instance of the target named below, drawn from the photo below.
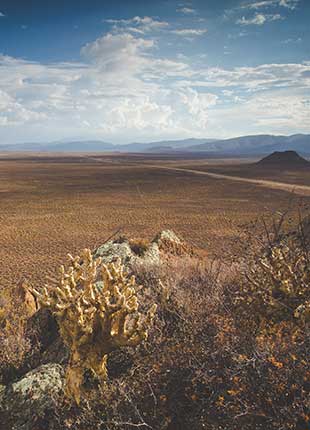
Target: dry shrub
(277, 284)
(14, 341)
(165, 384)
(271, 313)
(222, 354)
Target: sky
(144, 70)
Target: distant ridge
(256, 145)
(286, 159)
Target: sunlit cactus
(279, 283)
(96, 306)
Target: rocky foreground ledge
(28, 396)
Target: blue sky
(134, 70)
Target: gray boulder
(112, 250)
(25, 403)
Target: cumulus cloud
(115, 52)
(120, 89)
(259, 19)
(125, 87)
(198, 105)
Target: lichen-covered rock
(26, 402)
(151, 255)
(167, 235)
(169, 243)
(113, 250)
(164, 242)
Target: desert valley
(58, 203)
(154, 215)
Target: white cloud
(277, 112)
(289, 4)
(190, 32)
(2, 14)
(259, 19)
(138, 24)
(125, 88)
(292, 40)
(252, 79)
(187, 11)
(12, 112)
(260, 4)
(198, 105)
(115, 52)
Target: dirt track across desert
(303, 190)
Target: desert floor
(52, 205)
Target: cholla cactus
(279, 282)
(96, 307)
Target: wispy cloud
(289, 4)
(187, 10)
(292, 40)
(2, 14)
(260, 4)
(190, 32)
(139, 24)
(259, 19)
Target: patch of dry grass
(54, 205)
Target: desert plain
(51, 205)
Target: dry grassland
(50, 206)
(296, 176)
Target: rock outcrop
(112, 250)
(24, 404)
(165, 242)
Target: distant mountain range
(258, 144)
(244, 145)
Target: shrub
(278, 282)
(14, 342)
(229, 349)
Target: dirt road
(303, 190)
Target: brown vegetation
(52, 206)
(229, 348)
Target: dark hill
(286, 159)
